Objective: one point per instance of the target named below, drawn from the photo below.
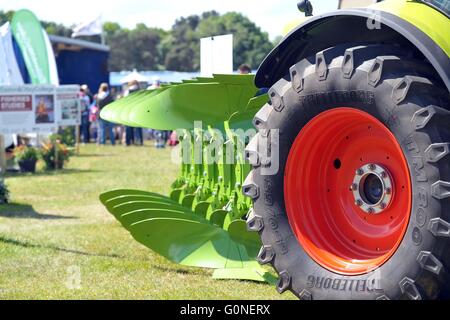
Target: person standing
(139, 136)
(160, 139)
(93, 118)
(131, 133)
(244, 69)
(173, 140)
(85, 124)
(159, 135)
(104, 98)
(88, 92)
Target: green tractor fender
(410, 23)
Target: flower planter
(28, 165)
(52, 165)
(49, 155)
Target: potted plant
(26, 158)
(55, 154)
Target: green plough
(202, 222)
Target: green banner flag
(28, 33)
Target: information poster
(44, 108)
(38, 108)
(16, 109)
(68, 105)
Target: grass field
(58, 242)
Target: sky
(270, 15)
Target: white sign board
(44, 109)
(68, 105)
(37, 108)
(16, 109)
(216, 55)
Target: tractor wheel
(351, 177)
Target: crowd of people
(95, 129)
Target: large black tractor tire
(407, 97)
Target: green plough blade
(211, 100)
(184, 237)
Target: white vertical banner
(52, 68)
(216, 55)
(9, 69)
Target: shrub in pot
(52, 159)
(26, 158)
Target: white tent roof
(134, 76)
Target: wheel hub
(346, 231)
(372, 188)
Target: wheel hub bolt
(359, 203)
(383, 205)
(353, 187)
(360, 172)
(370, 210)
(372, 166)
(388, 190)
(384, 175)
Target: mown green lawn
(58, 242)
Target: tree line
(177, 49)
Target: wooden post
(77, 139)
(56, 153)
(2, 156)
(2, 164)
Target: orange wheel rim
(341, 224)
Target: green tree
(5, 16)
(144, 47)
(119, 43)
(56, 29)
(111, 28)
(183, 45)
(136, 48)
(250, 46)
